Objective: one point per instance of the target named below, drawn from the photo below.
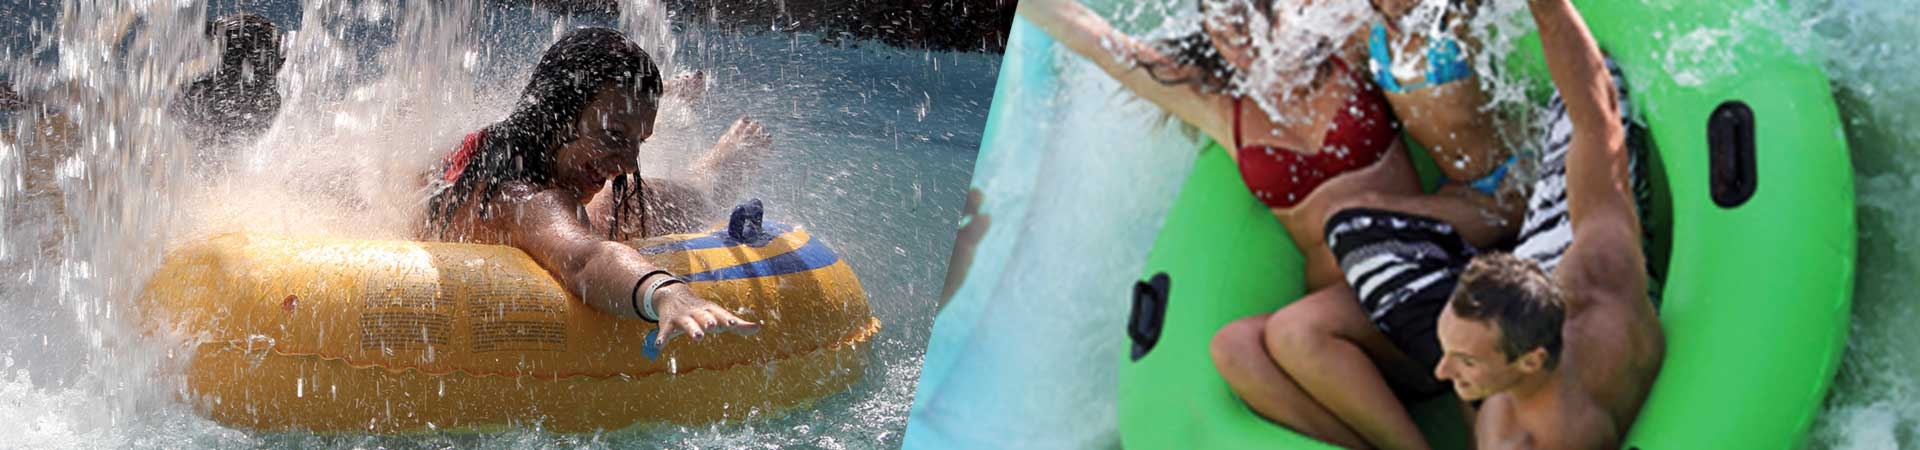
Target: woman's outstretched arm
(1084, 32)
(605, 274)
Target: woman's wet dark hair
(521, 148)
(1209, 71)
(1206, 68)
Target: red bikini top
(456, 163)
(1360, 133)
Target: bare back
(1448, 118)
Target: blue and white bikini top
(1446, 62)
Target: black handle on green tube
(1149, 313)
(1730, 150)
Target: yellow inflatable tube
(379, 336)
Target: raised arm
(1605, 255)
(1084, 32)
(604, 274)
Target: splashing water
(1280, 63)
(1868, 45)
(871, 148)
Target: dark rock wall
(965, 25)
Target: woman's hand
(1085, 33)
(683, 312)
(547, 225)
(686, 88)
(746, 132)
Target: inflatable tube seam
(862, 334)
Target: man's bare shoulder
(1572, 423)
(1580, 423)
(1497, 425)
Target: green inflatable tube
(1757, 262)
